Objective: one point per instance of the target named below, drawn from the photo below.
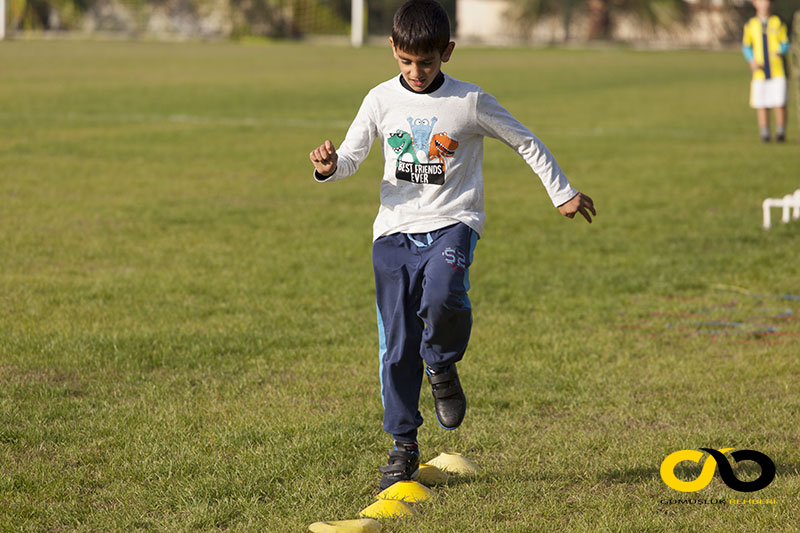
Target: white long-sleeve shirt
(433, 154)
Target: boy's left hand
(580, 203)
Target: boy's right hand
(324, 158)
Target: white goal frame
(787, 203)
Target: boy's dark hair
(421, 26)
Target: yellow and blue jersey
(767, 43)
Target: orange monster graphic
(442, 146)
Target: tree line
(297, 18)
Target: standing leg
(762, 114)
(400, 332)
(780, 124)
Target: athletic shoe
(403, 464)
(449, 399)
(780, 137)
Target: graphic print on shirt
(442, 146)
(421, 129)
(420, 157)
(401, 143)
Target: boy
(765, 44)
(431, 129)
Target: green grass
(187, 324)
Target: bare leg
(763, 123)
(780, 123)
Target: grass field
(187, 321)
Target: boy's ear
(448, 51)
(394, 50)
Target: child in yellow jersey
(765, 44)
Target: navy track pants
(424, 315)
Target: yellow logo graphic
(717, 459)
(672, 460)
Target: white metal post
(796, 208)
(786, 205)
(2, 19)
(765, 205)
(357, 23)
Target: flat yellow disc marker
(454, 463)
(362, 525)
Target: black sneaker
(781, 137)
(403, 464)
(449, 399)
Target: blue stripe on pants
(381, 348)
(424, 314)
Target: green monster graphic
(402, 144)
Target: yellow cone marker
(362, 525)
(454, 463)
(431, 475)
(407, 491)
(387, 509)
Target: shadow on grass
(787, 470)
(455, 481)
(631, 475)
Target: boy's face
(419, 71)
(762, 7)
